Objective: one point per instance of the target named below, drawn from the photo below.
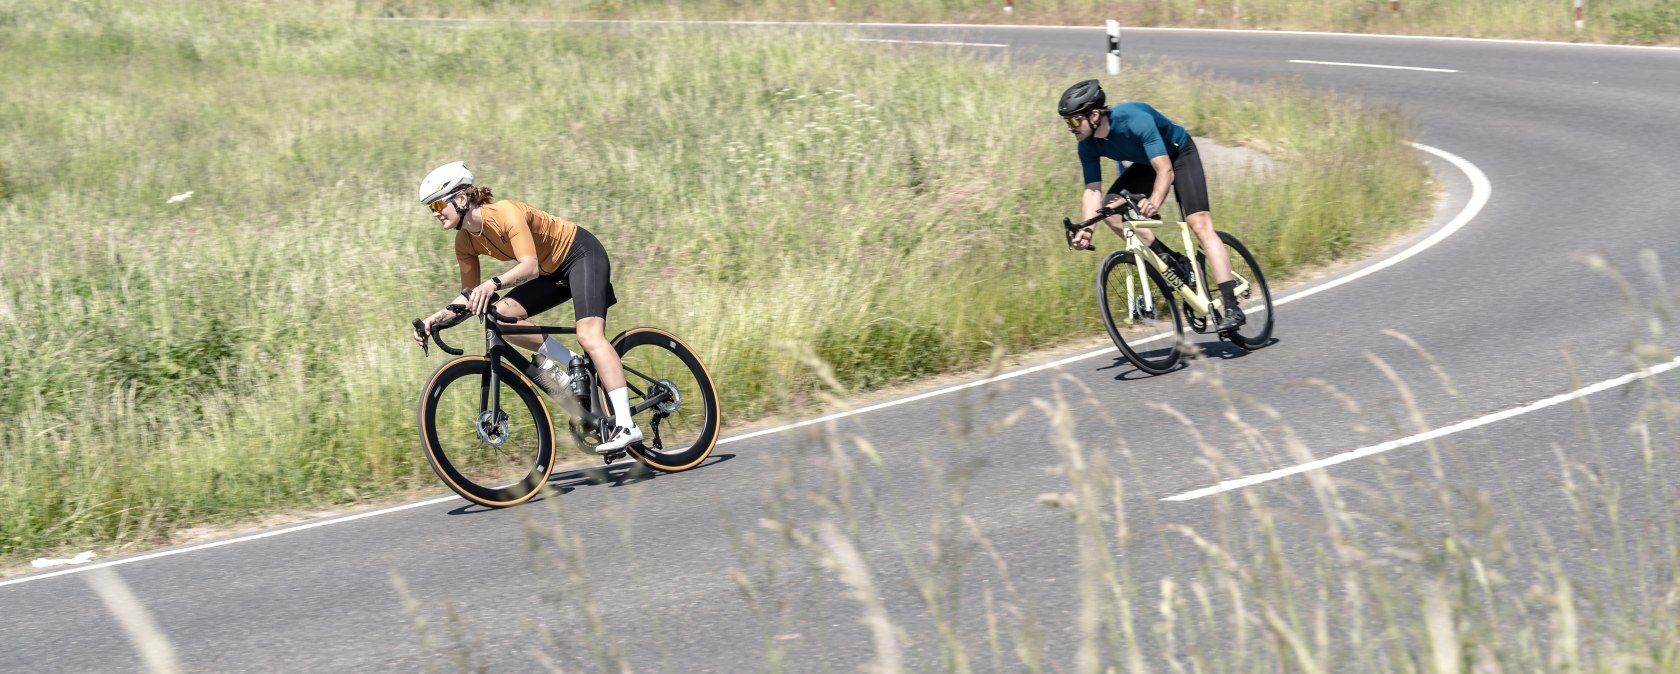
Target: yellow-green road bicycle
(1138, 293)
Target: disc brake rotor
(674, 400)
(492, 428)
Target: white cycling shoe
(620, 437)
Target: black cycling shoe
(1232, 318)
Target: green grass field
(178, 361)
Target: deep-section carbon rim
(512, 467)
(682, 438)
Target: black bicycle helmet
(1081, 98)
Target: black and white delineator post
(1113, 47)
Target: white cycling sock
(553, 350)
(620, 399)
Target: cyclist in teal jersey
(1162, 156)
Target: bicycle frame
(496, 349)
(1197, 299)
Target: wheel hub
(1142, 311)
(492, 428)
(673, 400)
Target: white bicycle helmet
(444, 181)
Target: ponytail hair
(480, 195)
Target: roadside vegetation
(1615, 21)
(213, 249)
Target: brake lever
(1067, 233)
(425, 344)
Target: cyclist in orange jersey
(556, 261)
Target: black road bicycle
(489, 434)
(1139, 293)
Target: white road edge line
(1480, 185)
(959, 44)
(1429, 38)
(1020, 26)
(1363, 452)
(1013, 27)
(230, 541)
(1372, 65)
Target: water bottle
(579, 371)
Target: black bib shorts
(1189, 182)
(584, 278)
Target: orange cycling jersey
(513, 230)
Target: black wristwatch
(497, 280)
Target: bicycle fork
(492, 421)
(1140, 307)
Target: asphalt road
(1575, 143)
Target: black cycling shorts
(1189, 182)
(584, 277)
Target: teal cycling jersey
(1136, 133)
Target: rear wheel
(675, 400)
(493, 457)
(1136, 306)
(1252, 295)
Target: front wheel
(1252, 295)
(495, 457)
(1137, 304)
(674, 400)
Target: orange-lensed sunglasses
(437, 206)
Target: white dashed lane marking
(1373, 65)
